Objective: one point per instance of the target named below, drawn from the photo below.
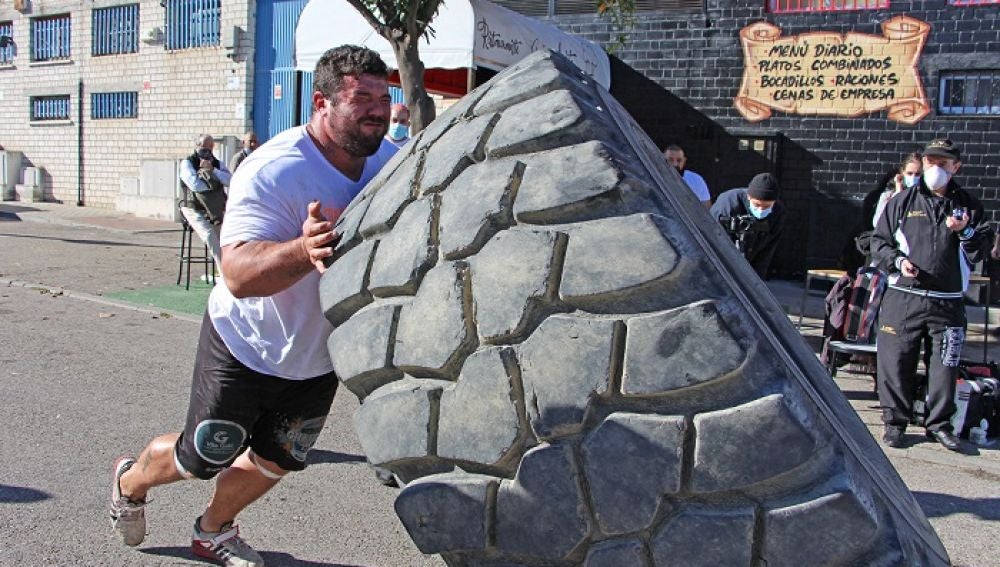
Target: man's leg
(237, 487)
(154, 467)
(898, 350)
(947, 340)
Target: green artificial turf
(169, 297)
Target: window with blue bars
(970, 93)
(114, 105)
(50, 107)
(6, 43)
(193, 23)
(115, 30)
(50, 39)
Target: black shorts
(233, 407)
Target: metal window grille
(114, 105)
(50, 107)
(50, 38)
(193, 23)
(972, 2)
(115, 30)
(796, 6)
(970, 93)
(7, 52)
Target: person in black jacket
(754, 218)
(927, 240)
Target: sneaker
(893, 436)
(225, 546)
(128, 517)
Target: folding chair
(857, 334)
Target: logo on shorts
(888, 329)
(300, 436)
(218, 441)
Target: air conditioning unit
(10, 171)
(152, 35)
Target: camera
(744, 230)
(738, 225)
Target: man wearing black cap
(927, 239)
(754, 218)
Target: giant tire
(565, 362)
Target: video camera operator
(754, 219)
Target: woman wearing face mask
(754, 218)
(907, 176)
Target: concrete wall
(181, 94)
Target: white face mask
(936, 177)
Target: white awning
(467, 34)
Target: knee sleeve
(213, 447)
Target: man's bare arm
(259, 268)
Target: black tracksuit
(913, 226)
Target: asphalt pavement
(85, 378)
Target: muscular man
(263, 381)
(927, 239)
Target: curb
(4, 282)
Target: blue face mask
(910, 180)
(398, 131)
(759, 213)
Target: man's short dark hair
(345, 60)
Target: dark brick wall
(827, 163)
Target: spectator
(926, 239)
(678, 160)
(907, 177)
(263, 380)
(206, 178)
(249, 145)
(754, 218)
(399, 125)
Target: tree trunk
(411, 78)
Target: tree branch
(362, 8)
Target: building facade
(802, 88)
(103, 96)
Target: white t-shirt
(697, 185)
(284, 334)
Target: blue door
(276, 101)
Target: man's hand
(206, 164)
(995, 253)
(957, 225)
(908, 269)
(318, 237)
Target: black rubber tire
(564, 361)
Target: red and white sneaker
(128, 517)
(225, 546)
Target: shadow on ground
(272, 558)
(21, 494)
(938, 505)
(319, 456)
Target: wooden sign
(823, 73)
